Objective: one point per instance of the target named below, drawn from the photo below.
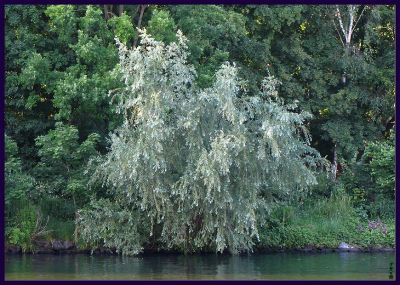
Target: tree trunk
(334, 164)
(142, 8)
(105, 8)
(120, 9)
(76, 217)
(76, 229)
(108, 11)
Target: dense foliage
(201, 163)
(206, 119)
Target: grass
(60, 229)
(323, 223)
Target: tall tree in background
(61, 63)
(72, 49)
(301, 47)
(347, 23)
(28, 107)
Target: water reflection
(262, 266)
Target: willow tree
(194, 168)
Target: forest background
(335, 62)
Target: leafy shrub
(325, 187)
(17, 183)
(162, 27)
(375, 234)
(380, 158)
(22, 228)
(324, 223)
(123, 28)
(370, 181)
(62, 162)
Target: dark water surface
(281, 266)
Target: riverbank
(328, 225)
(68, 247)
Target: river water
(277, 266)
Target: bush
(325, 187)
(20, 231)
(370, 181)
(375, 234)
(324, 223)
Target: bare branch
(351, 9)
(337, 30)
(359, 17)
(339, 16)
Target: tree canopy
(202, 163)
(193, 121)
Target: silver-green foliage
(202, 165)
